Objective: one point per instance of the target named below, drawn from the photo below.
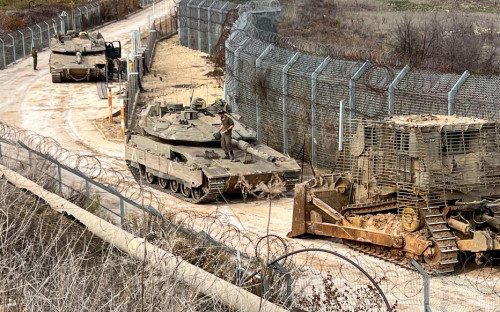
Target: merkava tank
(176, 149)
(81, 57)
(411, 187)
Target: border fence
(17, 45)
(289, 90)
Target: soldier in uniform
(225, 129)
(34, 55)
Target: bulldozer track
(391, 255)
(215, 188)
(443, 238)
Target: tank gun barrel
(246, 147)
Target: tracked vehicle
(173, 148)
(82, 57)
(413, 187)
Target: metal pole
(59, 178)
(154, 17)
(427, 286)
(41, 37)
(352, 88)
(341, 125)
(48, 33)
(236, 71)
(199, 24)
(189, 19)
(80, 18)
(284, 91)
(453, 92)
(314, 77)
(3, 54)
(122, 212)
(393, 85)
(122, 115)
(110, 106)
(87, 189)
(32, 37)
(24, 48)
(209, 27)
(87, 12)
(258, 63)
(13, 46)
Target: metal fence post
(258, 63)
(454, 90)
(41, 37)
(427, 286)
(99, 11)
(87, 9)
(32, 37)
(29, 158)
(236, 73)
(341, 126)
(0, 149)
(24, 48)
(3, 54)
(284, 92)
(189, 20)
(122, 212)
(199, 24)
(87, 189)
(48, 33)
(13, 46)
(393, 85)
(59, 178)
(352, 88)
(314, 77)
(209, 27)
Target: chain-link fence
(289, 90)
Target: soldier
(225, 129)
(35, 56)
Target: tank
(411, 187)
(177, 149)
(81, 57)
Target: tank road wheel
(197, 193)
(163, 183)
(174, 186)
(185, 190)
(411, 219)
(150, 178)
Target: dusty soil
(177, 79)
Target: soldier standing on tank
(225, 129)
(34, 55)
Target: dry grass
(50, 263)
(375, 26)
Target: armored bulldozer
(82, 57)
(414, 187)
(173, 148)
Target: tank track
(215, 188)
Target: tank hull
(202, 174)
(65, 67)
